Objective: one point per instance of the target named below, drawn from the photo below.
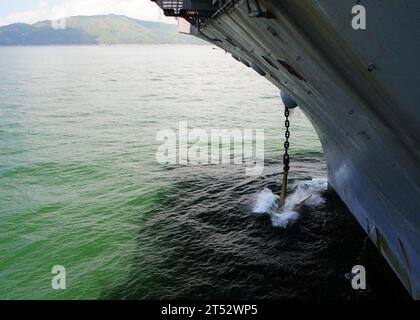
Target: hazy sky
(30, 11)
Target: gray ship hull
(360, 89)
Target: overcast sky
(30, 11)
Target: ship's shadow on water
(203, 241)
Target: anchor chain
(286, 158)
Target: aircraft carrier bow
(358, 87)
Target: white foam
(308, 192)
(265, 201)
(304, 189)
(284, 218)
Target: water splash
(307, 192)
(266, 201)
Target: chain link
(286, 158)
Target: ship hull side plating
(360, 91)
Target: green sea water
(80, 185)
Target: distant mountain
(104, 29)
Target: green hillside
(104, 29)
